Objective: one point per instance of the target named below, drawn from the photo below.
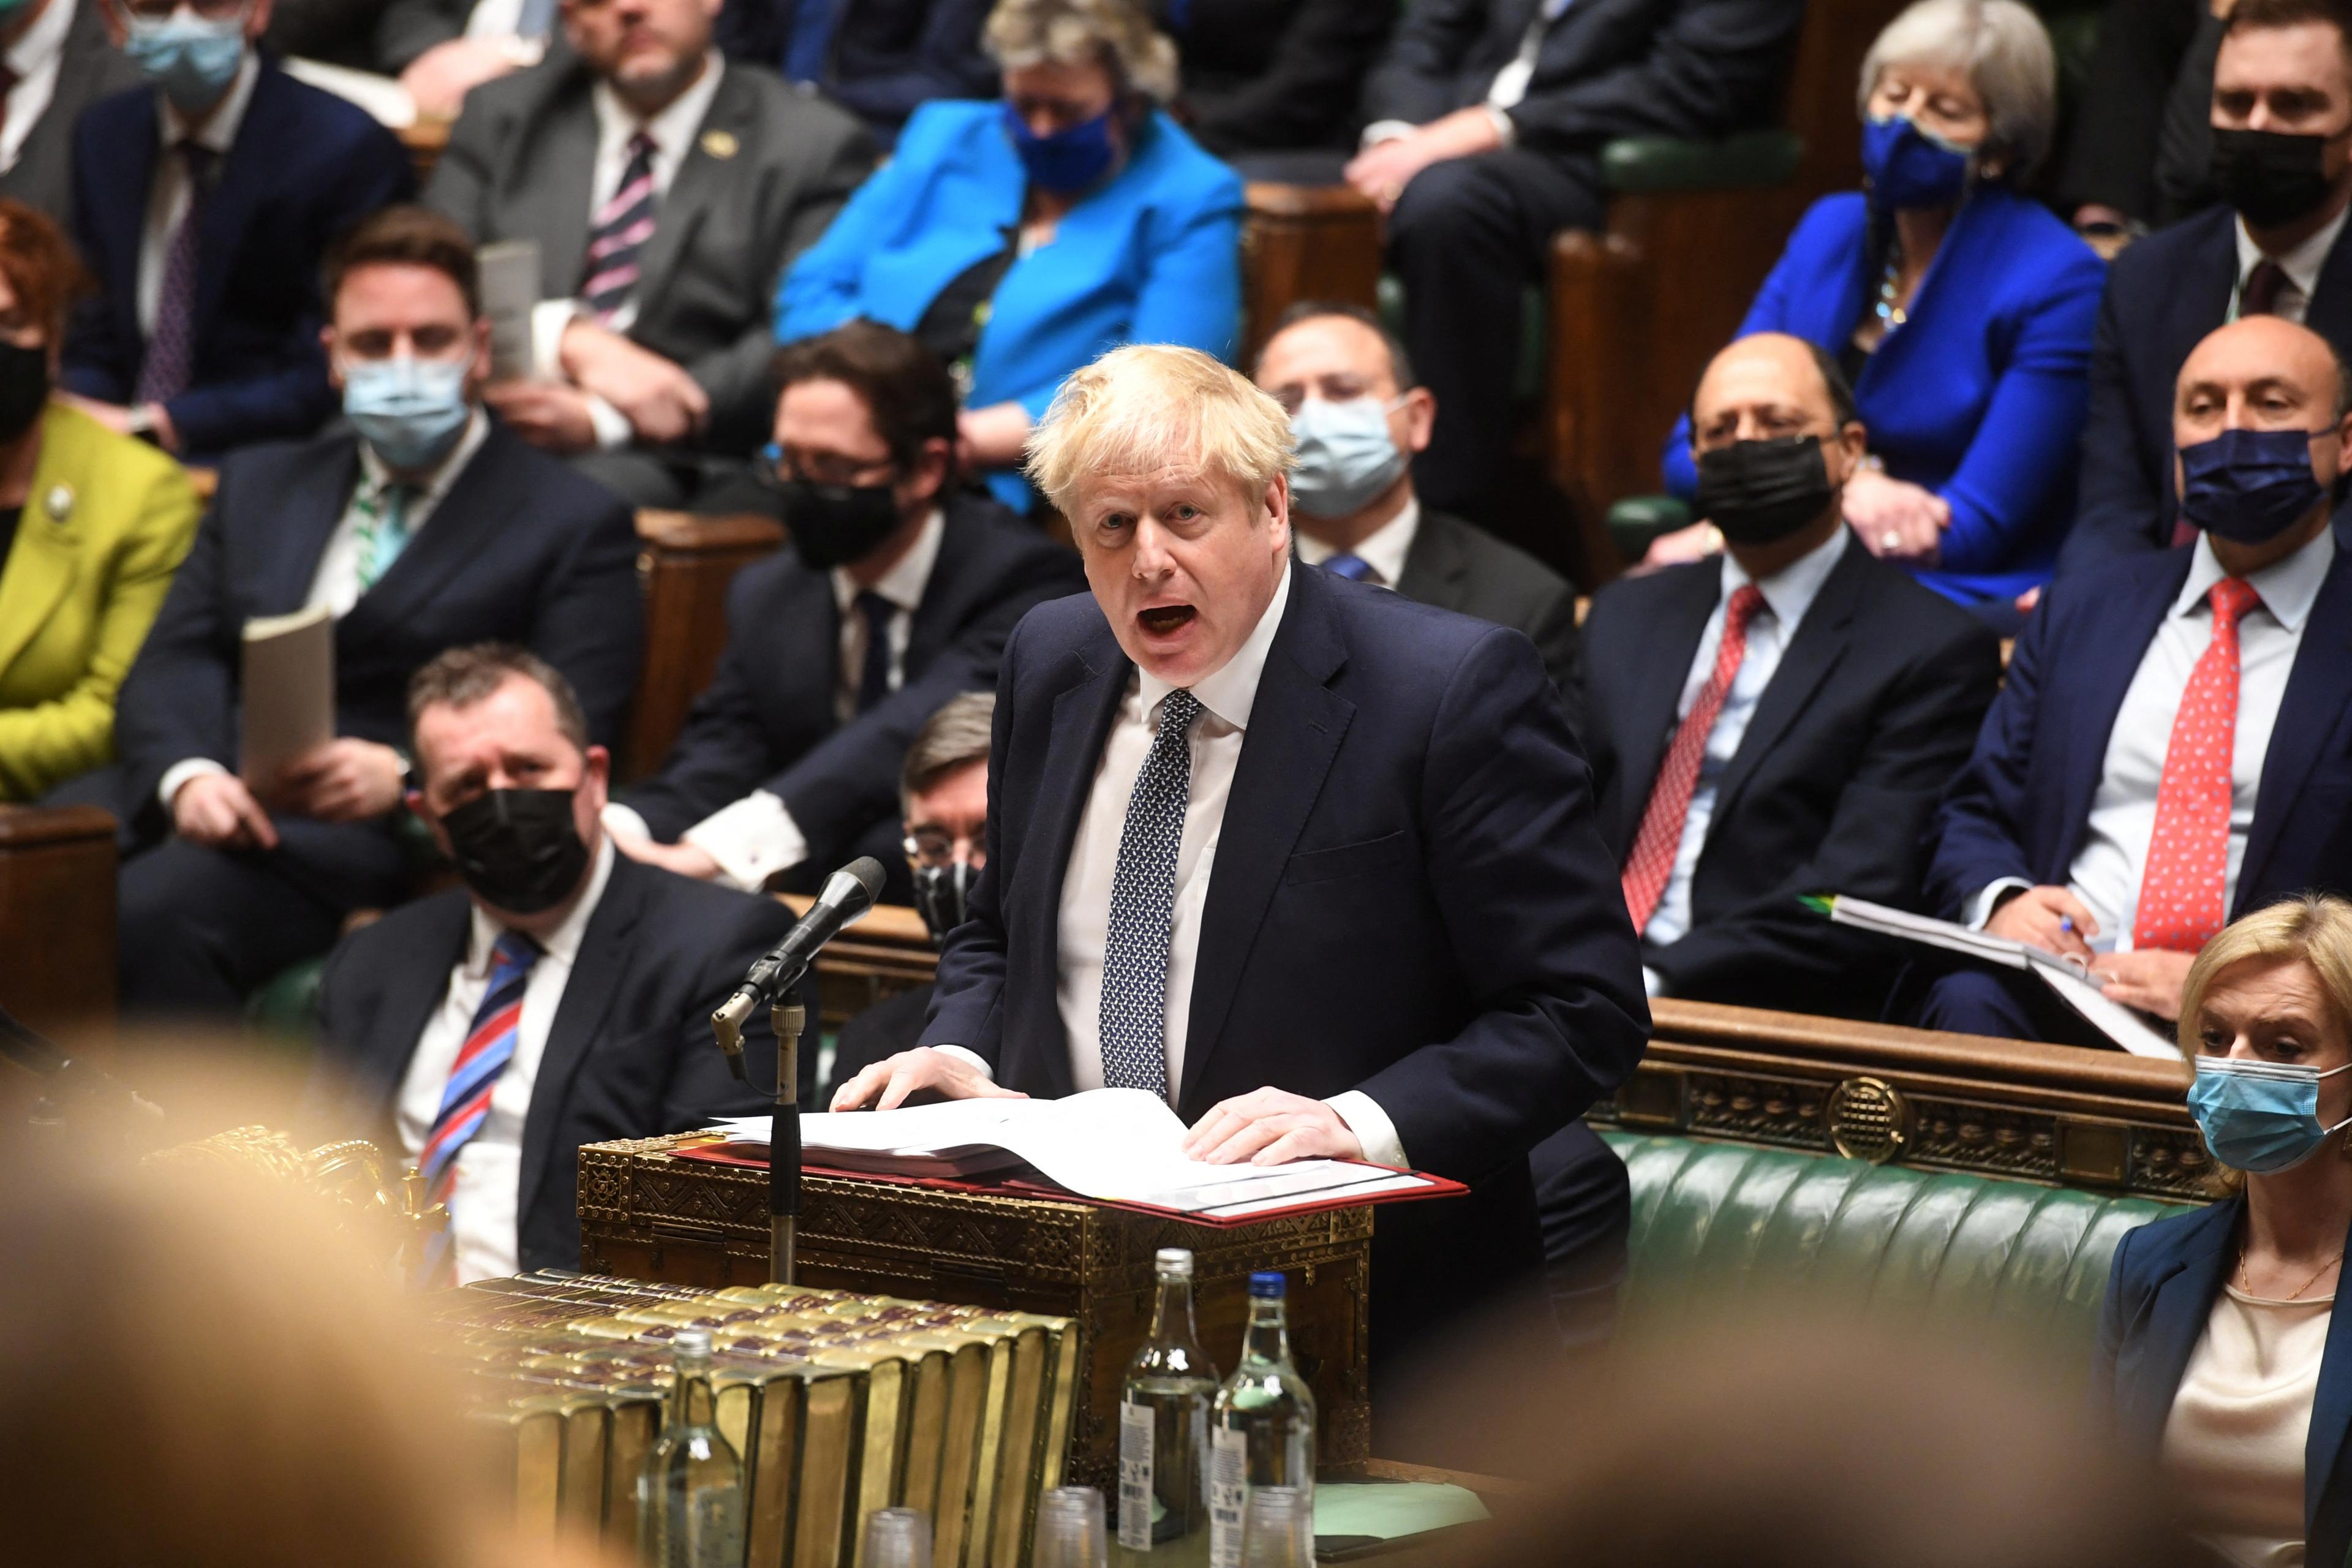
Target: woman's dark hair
(41, 264)
(905, 388)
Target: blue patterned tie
(873, 678)
(482, 1059)
(1354, 568)
(1133, 1018)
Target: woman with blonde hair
(2216, 1358)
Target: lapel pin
(59, 502)
(720, 143)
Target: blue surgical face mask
(1071, 159)
(1346, 455)
(410, 411)
(2250, 485)
(2260, 1116)
(193, 59)
(1909, 168)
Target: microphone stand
(788, 1018)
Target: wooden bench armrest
(685, 566)
(57, 916)
(1304, 242)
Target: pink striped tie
(618, 238)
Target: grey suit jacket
(90, 68)
(770, 167)
(1460, 566)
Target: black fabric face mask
(24, 388)
(519, 849)
(1760, 491)
(942, 895)
(834, 524)
(2271, 177)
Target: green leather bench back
(1717, 1225)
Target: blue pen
(2066, 924)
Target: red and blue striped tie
(474, 1078)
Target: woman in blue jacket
(1021, 239)
(2220, 1358)
(1961, 311)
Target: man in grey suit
(667, 189)
(1358, 416)
(57, 60)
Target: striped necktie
(618, 238)
(474, 1078)
(383, 528)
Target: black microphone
(849, 894)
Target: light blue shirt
(1787, 595)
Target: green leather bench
(1718, 1224)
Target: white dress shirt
(496, 19)
(673, 133)
(336, 584)
(2302, 266)
(755, 838)
(1787, 595)
(33, 60)
(168, 195)
(1227, 697)
(2108, 869)
(483, 1205)
(1383, 550)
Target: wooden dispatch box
(647, 1214)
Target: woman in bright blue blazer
(1963, 311)
(2221, 1361)
(1148, 251)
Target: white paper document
(1121, 1145)
(286, 691)
(2065, 976)
(510, 284)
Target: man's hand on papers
(893, 1078)
(2147, 978)
(346, 780)
(2050, 919)
(217, 810)
(1268, 1126)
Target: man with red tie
(2174, 745)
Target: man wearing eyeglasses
(898, 593)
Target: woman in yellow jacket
(92, 525)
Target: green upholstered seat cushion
(1635, 520)
(1718, 1224)
(285, 1007)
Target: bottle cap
(1269, 1285)
(1174, 1260)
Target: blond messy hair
(1151, 407)
(1117, 35)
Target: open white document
(509, 285)
(2066, 976)
(286, 692)
(1121, 1145)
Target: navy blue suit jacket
(520, 550)
(2165, 293)
(2022, 804)
(628, 1055)
(767, 720)
(1410, 899)
(305, 167)
(2160, 1291)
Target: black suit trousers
(1467, 237)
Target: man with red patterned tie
(561, 997)
(2174, 745)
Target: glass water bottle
(690, 1493)
(1163, 1422)
(1262, 1432)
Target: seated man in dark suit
(944, 795)
(1780, 720)
(1488, 119)
(667, 189)
(562, 997)
(432, 527)
(2174, 744)
(880, 59)
(1313, 862)
(898, 593)
(1265, 79)
(58, 61)
(2281, 123)
(204, 205)
(1359, 415)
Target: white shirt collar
(44, 41)
(673, 129)
(477, 430)
(1230, 690)
(2302, 264)
(1790, 591)
(562, 943)
(903, 584)
(2287, 587)
(1383, 550)
(220, 131)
